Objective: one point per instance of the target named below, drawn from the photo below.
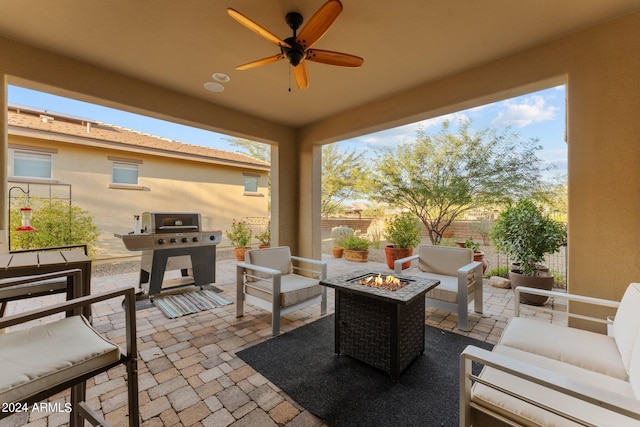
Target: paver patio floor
(189, 374)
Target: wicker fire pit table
(381, 327)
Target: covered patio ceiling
(404, 44)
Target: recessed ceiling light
(213, 87)
(221, 77)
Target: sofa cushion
(293, 289)
(588, 350)
(626, 324)
(278, 258)
(531, 415)
(46, 355)
(443, 259)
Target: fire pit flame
(388, 282)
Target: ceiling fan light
(295, 57)
(213, 87)
(221, 77)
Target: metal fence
(557, 264)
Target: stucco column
(285, 180)
(310, 167)
(4, 156)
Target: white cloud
(532, 109)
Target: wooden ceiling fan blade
(301, 74)
(256, 28)
(319, 23)
(334, 58)
(260, 62)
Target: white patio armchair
(274, 280)
(460, 279)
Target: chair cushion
(278, 258)
(46, 355)
(294, 289)
(26, 289)
(443, 259)
(626, 324)
(447, 290)
(530, 415)
(588, 350)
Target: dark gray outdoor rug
(345, 392)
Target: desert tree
(344, 174)
(440, 176)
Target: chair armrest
(322, 271)
(309, 260)
(568, 297)
(597, 396)
(397, 264)
(467, 269)
(246, 266)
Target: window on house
(125, 173)
(251, 183)
(32, 164)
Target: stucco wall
(215, 191)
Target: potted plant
(525, 234)
(264, 238)
(356, 248)
(478, 255)
(338, 234)
(404, 233)
(240, 236)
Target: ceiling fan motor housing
(295, 54)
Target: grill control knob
(161, 241)
(173, 240)
(212, 237)
(185, 240)
(195, 239)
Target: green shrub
(356, 243)
(403, 231)
(57, 223)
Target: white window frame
(44, 154)
(251, 177)
(123, 164)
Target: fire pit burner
(384, 281)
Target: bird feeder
(25, 215)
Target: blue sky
(536, 115)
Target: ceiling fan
(298, 48)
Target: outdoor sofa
(544, 374)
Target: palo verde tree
(344, 174)
(440, 176)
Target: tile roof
(28, 118)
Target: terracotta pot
(447, 234)
(356, 256)
(337, 252)
(263, 246)
(394, 254)
(479, 257)
(541, 281)
(240, 253)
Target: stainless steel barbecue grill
(174, 241)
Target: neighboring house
(116, 173)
